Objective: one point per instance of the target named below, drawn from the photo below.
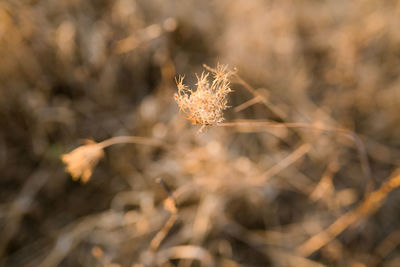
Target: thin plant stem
(370, 205)
(282, 164)
(276, 111)
(344, 132)
(133, 140)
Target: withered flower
(82, 160)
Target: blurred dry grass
(279, 184)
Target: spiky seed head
(205, 104)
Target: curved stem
(344, 132)
(133, 140)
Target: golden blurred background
(308, 190)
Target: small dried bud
(82, 160)
(205, 105)
(169, 205)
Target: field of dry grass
(286, 154)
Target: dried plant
(82, 160)
(205, 105)
(286, 181)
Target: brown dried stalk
(205, 105)
(370, 205)
(169, 205)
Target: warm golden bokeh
(298, 165)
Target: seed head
(82, 160)
(205, 105)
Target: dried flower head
(82, 160)
(205, 105)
